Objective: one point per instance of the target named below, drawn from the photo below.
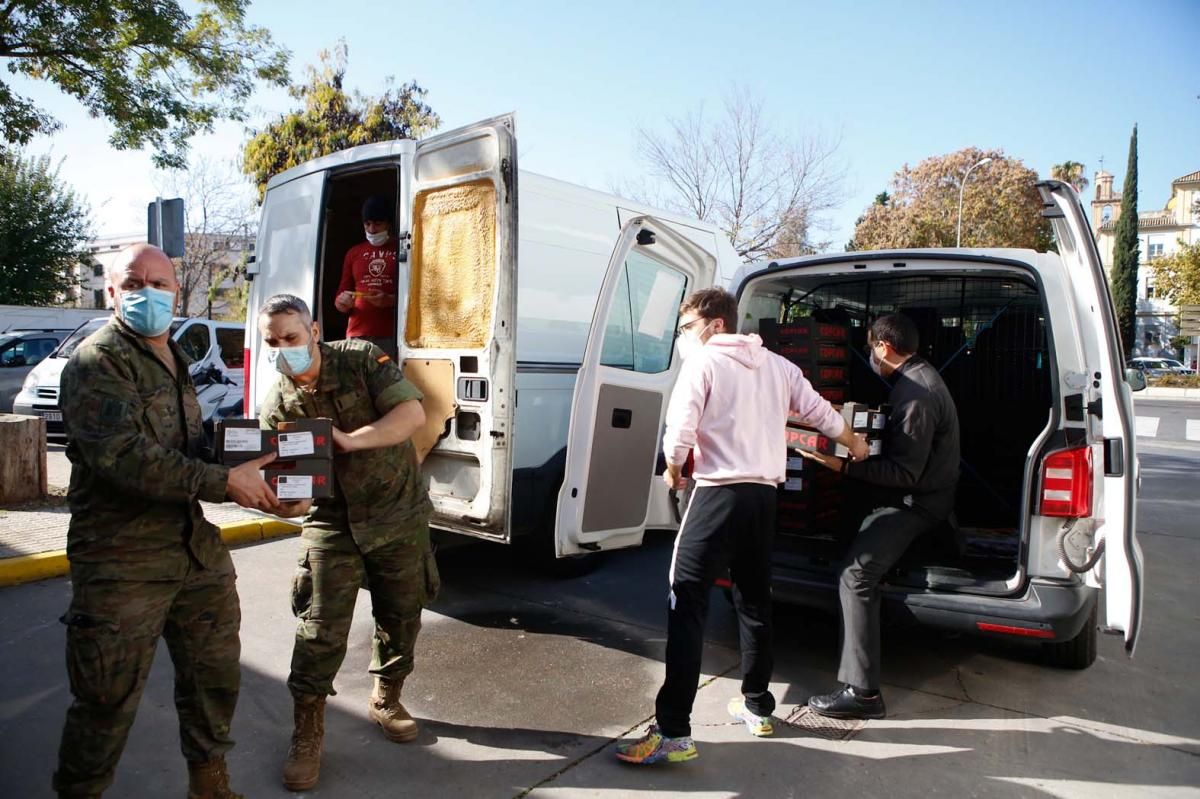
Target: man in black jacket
(913, 484)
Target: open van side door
(456, 321)
(1110, 404)
(619, 404)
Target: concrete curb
(44, 565)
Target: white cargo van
(538, 318)
(1027, 345)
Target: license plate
(52, 416)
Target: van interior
(986, 334)
(345, 194)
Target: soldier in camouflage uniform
(376, 526)
(144, 561)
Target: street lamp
(962, 187)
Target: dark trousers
(725, 527)
(882, 539)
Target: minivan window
(230, 341)
(196, 342)
(81, 332)
(27, 352)
(639, 333)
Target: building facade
(207, 259)
(1160, 234)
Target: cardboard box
(300, 479)
(808, 353)
(827, 374)
(834, 394)
(809, 441)
(812, 330)
(241, 440)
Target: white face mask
(689, 342)
(377, 239)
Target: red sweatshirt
(368, 269)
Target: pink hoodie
(731, 405)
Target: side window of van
(230, 341)
(195, 341)
(639, 333)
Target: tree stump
(22, 458)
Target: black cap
(377, 209)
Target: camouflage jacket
(379, 494)
(135, 442)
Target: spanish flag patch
(383, 358)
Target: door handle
(622, 418)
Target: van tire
(1080, 651)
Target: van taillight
(246, 410)
(1067, 483)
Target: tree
(218, 219)
(1071, 172)
(1178, 275)
(331, 120)
(44, 230)
(1001, 206)
(882, 198)
(764, 189)
(1125, 254)
(158, 73)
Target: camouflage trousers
(113, 627)
(401, 577)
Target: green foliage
(1177, 277)
(1001, 207)
(158, 73)
(1070, 172)
(1125, 254)
(331, 120)
(44, 230)
(1179, 342)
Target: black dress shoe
(848, 703)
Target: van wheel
(1077, 653)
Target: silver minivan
(1046, 510)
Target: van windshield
(83, 331)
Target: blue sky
(897, 82)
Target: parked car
(20, 352)
(214, 343)
(1157, 367)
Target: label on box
(294, 486)
(875, 446)
(860, 420)
(295, 445)
(795, 464)
(243, 439)
(793, 484)
(878, 420)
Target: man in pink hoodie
(729, 407)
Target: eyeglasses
(679, 331)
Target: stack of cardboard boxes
(304, 466)
(820, 349)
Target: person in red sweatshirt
(367, 291)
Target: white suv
(218, 343)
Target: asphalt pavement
(524, 683)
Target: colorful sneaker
(654, 746)
(757, 725)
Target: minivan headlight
(30, 382)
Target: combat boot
(303, 765)
(388, 713)
(210, 780)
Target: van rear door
(1110, 405)
(285, 262)
(456, 323)
(620, 396)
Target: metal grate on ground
(804, 719)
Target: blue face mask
(148, 311)
(292, 360)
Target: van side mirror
(1136, 379)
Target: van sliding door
(456, 325)
(629, 367)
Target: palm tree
(1070, 172)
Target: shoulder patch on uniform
(383, 358)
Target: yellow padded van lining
(453, 267)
